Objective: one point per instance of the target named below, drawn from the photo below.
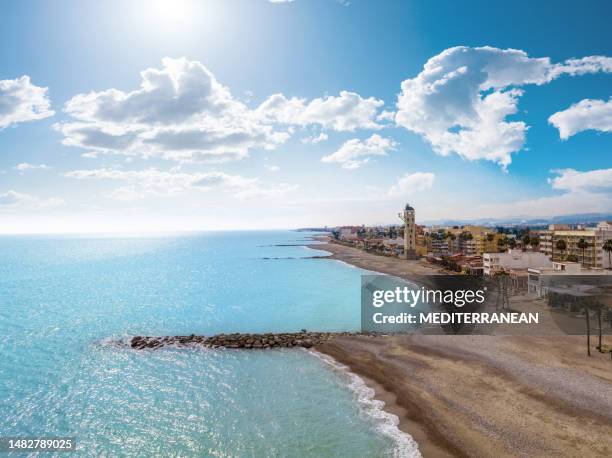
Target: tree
(607, 247)
(465, 235)
(526, 241)
(561, 245)
(583, 245)
(490, 236)
(572, 258)
(502, 242)
(512, 243)
(535, 242)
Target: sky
(131, 116)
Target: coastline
(480, 395)
(488, 395)
(414, 271)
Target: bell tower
(409, 232)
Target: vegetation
(583, 245)
(607, 247)
(561, 245)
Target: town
(517, 251)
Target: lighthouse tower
(409, 232)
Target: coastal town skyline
(157, 119)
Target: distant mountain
(583, 218)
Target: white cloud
(345, 112)
(12, 199)
(272, 168)
(180, 112)
(21, 101)
(460, 101)
(584, 115)
(411, 183)
(354, 153)
(24, 166)
(593, 181)
(314, 139)
(580, 192)
(152, 182)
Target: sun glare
(172, 13)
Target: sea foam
(386, 423)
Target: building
(349, 233)
(409, 232)
(513, 260)
(603, 233)
(590, 257)
(565, 274)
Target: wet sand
(483, 395)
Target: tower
(409, 232)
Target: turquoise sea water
(65, 300)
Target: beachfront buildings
(585, 245)
(568, 275)
(494, 263)
(472, 248)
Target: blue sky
(258, 114)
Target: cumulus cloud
(345, 112)
(152, 182)
(461, 100)
(585, 115)
(411, 183)
(22, 101)
(354, 153)
(594, 181)
(12, 199)
(180, 112)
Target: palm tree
(526, 241)
(502, 242)
(607, 247)
(572, 258)
(512, 243)
(583, 245)
(561, 245)
(535, 242)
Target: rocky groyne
(304, 339)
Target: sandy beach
(483, 395)
(412, 270)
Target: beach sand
(483, 395)
(489, 395)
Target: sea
(66, 302)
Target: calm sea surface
(65, 300)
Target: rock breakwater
(303, 339)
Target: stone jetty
(302, 339)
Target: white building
(513, 260)
(540, 277)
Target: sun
(171, 13)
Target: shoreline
(414, 271)
(487, 395)
(480, 395)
